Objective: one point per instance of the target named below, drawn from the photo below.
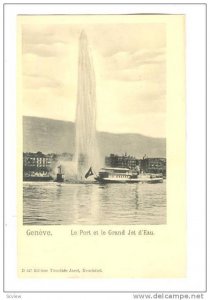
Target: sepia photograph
(93, 104)
(101, 146)
(100, 156)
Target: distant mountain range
(54, 136)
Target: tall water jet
(86, 150)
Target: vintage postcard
(101, 146)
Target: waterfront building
(154, 165)
(40, 165)
(36, 164)
(122, 161)
(146, 164)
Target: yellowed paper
(139, 67)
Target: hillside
(54, 136)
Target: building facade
(154, 165)
(146, 164)
(36, 164)
(122, 161)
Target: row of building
(37, 165)
(146, 164)
(40, 164)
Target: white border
(195, 53)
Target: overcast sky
(130, 68)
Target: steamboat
(125, 175)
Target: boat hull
(110, 180)
(156, 180)
(136, 180)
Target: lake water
(50, 203)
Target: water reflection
(137, 197)
(113, 204)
